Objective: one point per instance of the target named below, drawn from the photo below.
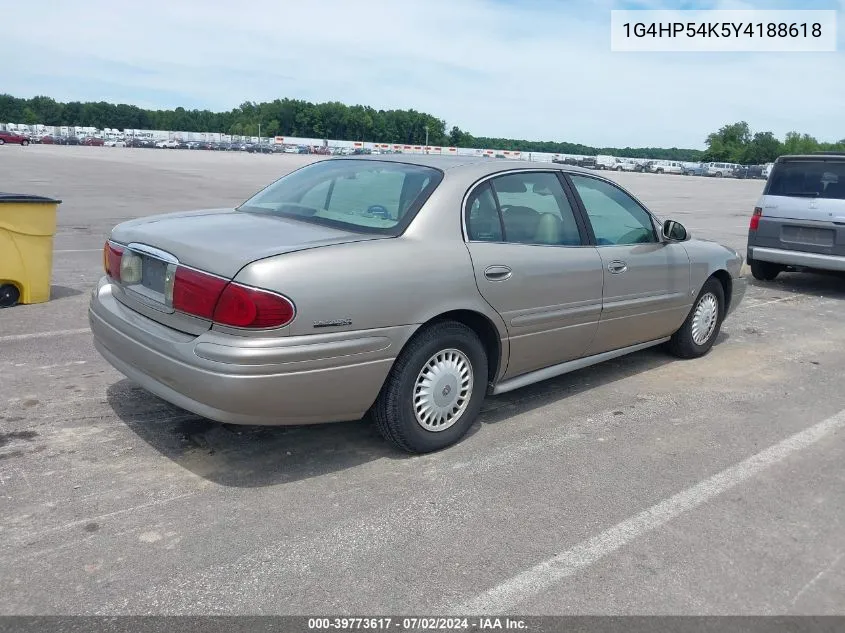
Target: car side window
(483, 224)
(615, 216)
(535, 209)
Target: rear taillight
(111, 260)
(229, 303)
(755, 219)
(242, 306)
(196, 293)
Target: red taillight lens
(228, 303)
(111, 260)
(241, 306)
(196, 293)
(755, 219)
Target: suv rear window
(353, 194)
(808, 178)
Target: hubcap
(442, 390)
(704, 318)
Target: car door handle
(617, 266)
(497, 273)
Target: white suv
(721, 169)
(799, 221)
(666, 167)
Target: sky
(527, 69)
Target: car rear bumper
(797, 258)
(246, 380)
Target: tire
(689, 341)
(24, 143)
(618, 169)
(9, 295)
(764, 271)
(659, 171)
(394, 412)
(718, 174)
(2, 142)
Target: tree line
(735, 143)
(333, 120)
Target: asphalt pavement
(646, 485)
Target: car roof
(479, 165)
(816, 156)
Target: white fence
(216, 137)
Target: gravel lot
(646, 485)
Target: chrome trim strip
(572, 365)
(157, 253)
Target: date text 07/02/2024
(417, 624)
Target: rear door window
(808, 179)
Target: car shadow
(830, 285)
(258, 456)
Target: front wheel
(699, 331)
(764, 271)
(434, 391)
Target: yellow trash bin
(27, 227)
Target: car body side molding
(564, 368)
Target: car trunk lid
(216, 241)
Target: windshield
(364, 195)
(808, 178)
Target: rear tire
(699, 331)
(24, 143)
(659, 171)
(438, 380)
(764, 271)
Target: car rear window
(808, 178)
(355, 194)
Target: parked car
(114, 142)
(92, 141)
(755, 171)
(666, 167)
(695, 170)
(719, 170)
(171, 144)
(799, 220)
(13, 137)
(521, 282)
(48, 140)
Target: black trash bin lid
(25, 197)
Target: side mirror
(674, 231)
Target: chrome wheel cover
(704, 318)
(442, 390)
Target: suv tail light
(112, 254)
(755, 219)
(229, 303)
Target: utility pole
(426, 139)
(259, 132)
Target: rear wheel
(699, 331)
(718, 174)
(659, 171)
(764, 271)
(434, 391)
(24, 142)
(2, 142)
(9, 295)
